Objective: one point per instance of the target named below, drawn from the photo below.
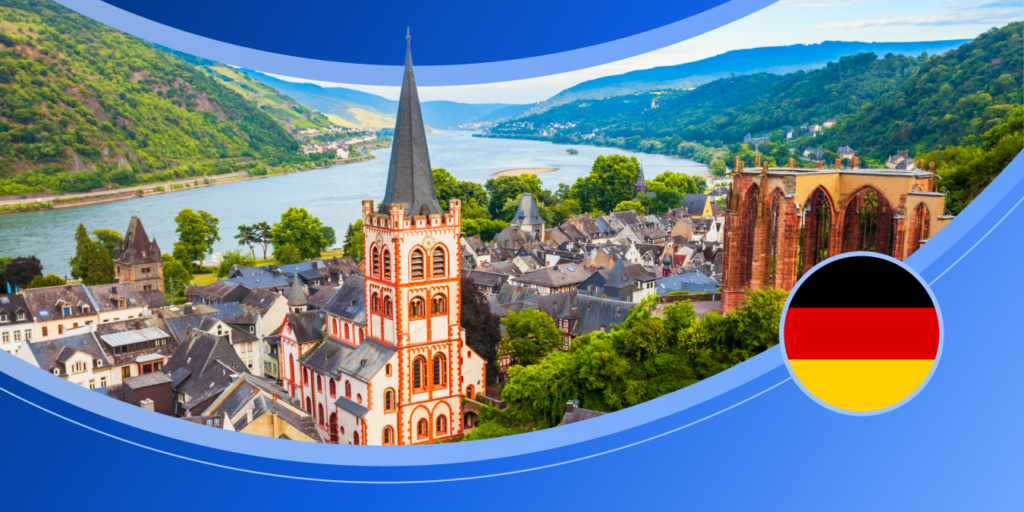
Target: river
(333, 194)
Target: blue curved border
(782, 334)
(426, 76)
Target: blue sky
(785, 23)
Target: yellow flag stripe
(861, 384)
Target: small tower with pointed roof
(640, 187)
(297, 297)
(619, 285)
(137, 259)
(528, 217)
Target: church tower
(137, 259)
(412, 287)
(640, 187)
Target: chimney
(839, 162)
(188, 309)
(148, 405)
(736, 163)
(275, 397)
(856, 163)
(792, 163)
(757, 160)
(572, 405)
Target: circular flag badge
(861, 333)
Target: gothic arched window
(438, 268)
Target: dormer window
(21, 316)
(3, 317)
(85, 309)
(120, 303)
(67, 310)
(252, 329)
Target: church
(392, 364)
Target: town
(426, 335)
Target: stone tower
(137, 259)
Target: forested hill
(777, 60)
(82, 104)
(727, 109)
(952, 100)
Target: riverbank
(532, 170)
(40, 202)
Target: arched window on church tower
(416, 308)
(376, 262)
(375, 303)
(440, 371)
(389, 436)
(438, 267)
(419, 377)
(417, 264)
(439, 305)
(387, 264)
(422, 429)
(441, 428)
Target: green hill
(952, 100)
(82, 105)
(726, 109)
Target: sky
(786, 23)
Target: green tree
(84, 248)
(247, 236)
(232, 258)
(530, 335)
(108, 238)
(503, 188)
(4, 261)
(197, 232)
(21, 270)
(610, 182)
(264, 236)
(484, 227)
(300, 230)
(354, 241)
(176, 278)
(329, 236)
(483, 327)
(47, 281)
(718, 167)
(288, 254)
(629, 206)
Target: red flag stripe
(861, 333)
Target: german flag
(861, 333)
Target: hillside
(281, 107)
(360, 107)
(82, 105)
(953, 100)
(726, 109)
(777, 60)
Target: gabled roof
(307, 326)
(202, 367)
(349, 302)
(260, 301)
(334, 358)
(319, 299)
(489, 279)
(693, 282)
(11, 305)
(503, 267)
(567, 274)
(48, 303)
(618, 277)
(137, 247)
(51, 355)
(694, 203)
(528, 212)
(410, 179)
(596, 312)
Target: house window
(439, 305)
(126, 371)
(348, 390)
(417, 264)
(92, 383)
(45, 332)
(389, 436)
(67, 311)
(309, 406)
(60, 329)
(387, 264)
(103, 382)
(389, 400)
(3, 318)
(469, 392)
(440, 371)
(320, 414)
(359, 398)
(387, 370)
(355, 438)
(78, 367)
(416, 309)
(334, 327)
(319, 384)
(334, 389)
(419, 380)
(17, 336)
(442, 425)
(438, 268)
(28, 334)
(360, 335)
(7, 337)
(346, 332)
(422, 429)
(305, 376)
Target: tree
(4, 261)
(354, 241)
(84, 248)
(483, 327)
(197, 231)
(530, 335)
(483, 227)
(108, 238)
(610, 182)
(567, 208)
(329, 235)
(718, 167)
(300, 230)
(248, 236)
(21, 270)
(232, 258)
(629, 206)
(176, 278)
(47, 281)
(503, 188)
(287, 254)
(264, 236)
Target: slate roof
(528, 212)
(52, 354)
(297, 296)
(155, 299)
(47, 303)
(260, 301)
(181, 327)
(136, 247)
(319, 299)
(224, 291)
(262, 281)
(147, 380)
(574, 414)
(349, 302)
(694, 203)
(503, 267)
(107, 296)
(475, 243)
(307, 326)
(568, 274)
(202, 368)
(228, 308)
(334, 358)
(410, 179)
(11, 305)
(251, 392)
(352, 407)
(595, 312)
(693, 282)
(488, 279)
(514, 293)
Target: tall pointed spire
(410, 179)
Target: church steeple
(410, 179)
(640, 187)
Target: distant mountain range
(356, 106)
(778, 60)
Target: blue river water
(333, 194)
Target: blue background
(747, 438)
